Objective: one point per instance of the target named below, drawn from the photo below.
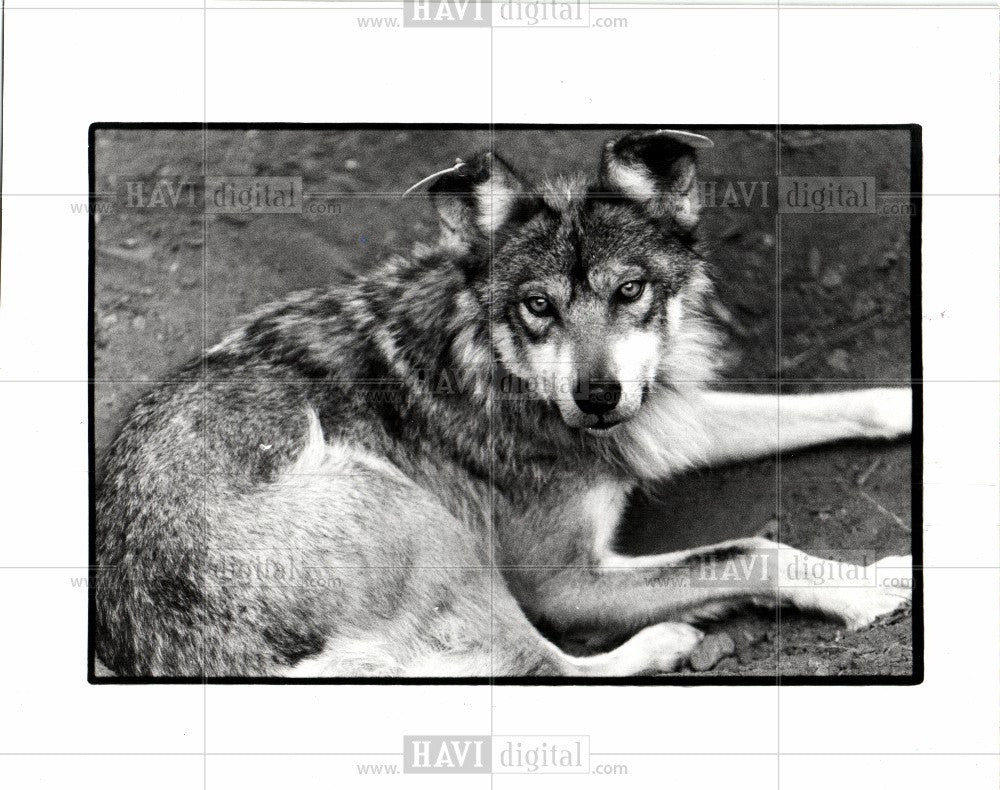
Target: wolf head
(593, 289)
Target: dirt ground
(834, 313)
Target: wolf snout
(598, 397)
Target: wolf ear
(657, 170)
(478, 197)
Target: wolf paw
(669, 644)
(890, 412)
(892, 587)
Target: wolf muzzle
(599, 397)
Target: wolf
(418, 472)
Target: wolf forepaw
(892, 588)
(669, 644)
(889, 413)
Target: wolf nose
(601, 397)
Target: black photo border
(916, 374)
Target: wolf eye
(539, 305)
(631, 290)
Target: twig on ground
(834, 339)
(862, 478)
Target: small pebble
(312, 169)
(351, 164)
(770, 529)
(832, 279)
(839, 360)
(744, 642)
(864, 307)
(235, 219)
(711, 651)
(815, 262)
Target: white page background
(65, 69)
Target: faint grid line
(777, 365)
(492, 470)
(400, 382)
(797, 6)
(204, 350)
(200, 754)
(530, 568)
(401, 195)
(400, 754)
(490, 427)
(707, 6)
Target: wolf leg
(487, 635)
(742, 426)
(630, 592)
(658, 648)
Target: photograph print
(511, 404)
